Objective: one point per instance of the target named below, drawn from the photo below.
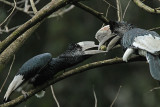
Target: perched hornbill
(134, 41)
(43, 67)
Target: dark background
(55, 34)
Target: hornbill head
(84, 48)
(111, 34)
(79, 52)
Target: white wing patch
(148, 43)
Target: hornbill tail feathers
(154, 65)
(17, 81)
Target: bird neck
(61, 63)
(119, 28)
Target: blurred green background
(55, 34)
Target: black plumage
(43, 67)
(133, 41)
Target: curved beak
(105, 40)
(106, 37)
(90, 48)
(113, 42)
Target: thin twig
(154, 28)
(61, 12)
(37, 1)
(140, 4)
(26, 6)
(155, 88)
(119, 11)
(107, 10)
(93, 12)
(126, 9)
(7, 74)
(6, 30)
(95, 97)
(110, 4)
(106, 13)
(116, 96)
(9, 14)
(33, 6)
(54, 96)
(17, 8)
(20, 2)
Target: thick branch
(145, 7)
(40, 15)
(7, 54)
(93, 12)
(69, 73)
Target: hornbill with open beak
(43, 67)
(134, 41)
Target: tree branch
(146, 8)
(93, 12)
(7, 54)
(33, 6)
(9, 14)
(40, 15)
(19, 40)
(119, 10)
(17, 8)
(69, 73)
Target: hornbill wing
(28, 70)
(148, 43)
(34, 65)
(142, 39)
(154, 65)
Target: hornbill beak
(90, 48)
(105, 36)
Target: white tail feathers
(16, 82)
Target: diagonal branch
(40, 15)
(33, 6)
(93, 12)
(69, 73)
(146, 8)
(7, 54)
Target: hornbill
(134, 41)
(43, 67)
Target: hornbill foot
(5, 101)
(24, 94)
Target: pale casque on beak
(106, 37)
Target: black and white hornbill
(43, 67)
(134, 41)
